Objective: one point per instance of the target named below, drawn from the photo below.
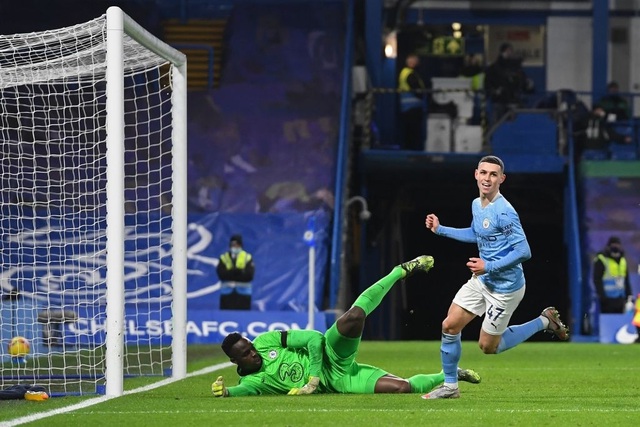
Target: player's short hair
(229, 341)
(493, 159)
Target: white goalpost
(93, 206)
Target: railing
(573, 239)
(615, 148)
(386, 99)
(380, 105)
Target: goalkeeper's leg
(351, 324)
(344, 335)
(421, 383)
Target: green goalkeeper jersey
(285, 365)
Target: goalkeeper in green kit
(298, 362)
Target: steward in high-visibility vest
(615, 272)
(473, 69)
(235, 271)
(409, 85)
(412, 105)
(611, 278)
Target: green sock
(372, 296)
(423, 383)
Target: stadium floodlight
(93, 205)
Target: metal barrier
(380, 109)
(382, 103)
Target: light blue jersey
(501, 241)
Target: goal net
(93, 206)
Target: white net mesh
(53, 205)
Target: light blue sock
(450, 352)
(514, 335)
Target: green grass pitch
(564, 384)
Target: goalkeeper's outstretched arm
(220, 390)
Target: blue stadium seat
(528, 133)
(595, 154)
(623, 152)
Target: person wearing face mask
(235, 271)
(611, 277)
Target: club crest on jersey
(485, 223)
(273, 354)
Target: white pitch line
(94, 401)
(368, 410)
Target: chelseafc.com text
(159, 328)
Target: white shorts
(497, 308)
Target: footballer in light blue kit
(497, 283)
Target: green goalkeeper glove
(218, 388)
(308, 388)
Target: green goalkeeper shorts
(342, 374)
